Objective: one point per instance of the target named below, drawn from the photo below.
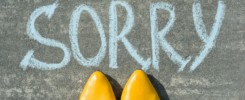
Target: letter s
(29, 59)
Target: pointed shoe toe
(139, 87)
(97, 88)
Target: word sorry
(157, 36)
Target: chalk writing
(29, 59)
(114, 38)
(201, 30)
(157, 36)
(74, 41)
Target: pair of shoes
(138, 87)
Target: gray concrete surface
(219, 77)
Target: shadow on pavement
(159, 88)
(117, 89)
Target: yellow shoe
(139, 87)
(97, 88)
